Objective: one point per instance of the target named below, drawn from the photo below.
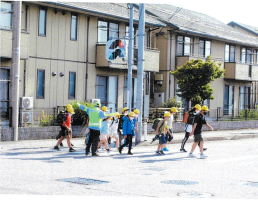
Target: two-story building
(190, 35)
(63, 53)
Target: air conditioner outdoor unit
(27, 117)
(95, 100)
(27, 102)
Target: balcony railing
(182, 59)
(241, 71)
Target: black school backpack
(190, 119)
(62, 115)
(156, 122)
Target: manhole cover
(249, 183)
(195, 195)
(180, 182)
(83, 181)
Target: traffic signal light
(115, 48)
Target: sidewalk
(178, 137)
(207, 135)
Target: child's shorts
(162, 139)
(113, 134)
(198, 138)
(102, 137)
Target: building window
(24, 17)
(72, 85)
(244, 97)
(40, 84)
(6, 15)
(246, 55)
(204, 48)
(230, 53)
(228, 99)
(183, 46)
(74, 18)
(106, 91)
(4, 91)
(107, 30)
(42, 21)
(255, 56)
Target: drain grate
(83, 181)
(180, 182)
(195, 195)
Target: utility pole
(139, 99)
(15, 71)
(130, 58)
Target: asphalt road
(33, 168)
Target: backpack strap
(113, 120)
(162, 123)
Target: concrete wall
(38, 133)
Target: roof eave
(101, 13)
(246, 29)
(219, 38)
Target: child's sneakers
(72, 150)
(161, 152)
(191, 155)
(202, 156)
(165, 149)
(56, 148)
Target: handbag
(188, 128)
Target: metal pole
(15, 66)
(130, 58)
(139, 99)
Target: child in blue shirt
(104, 131)
(128, 132)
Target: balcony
(6, 44)
(241, 71)
(181, 60)
(151, 58)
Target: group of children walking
(194, 119)
(119, 126)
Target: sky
(244, 11)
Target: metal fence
(213, 114)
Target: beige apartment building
(63, 54)
(191, 35)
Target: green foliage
(249, 114)
(172, 103)
(45, 119)
(194, 79)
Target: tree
(194, 79)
